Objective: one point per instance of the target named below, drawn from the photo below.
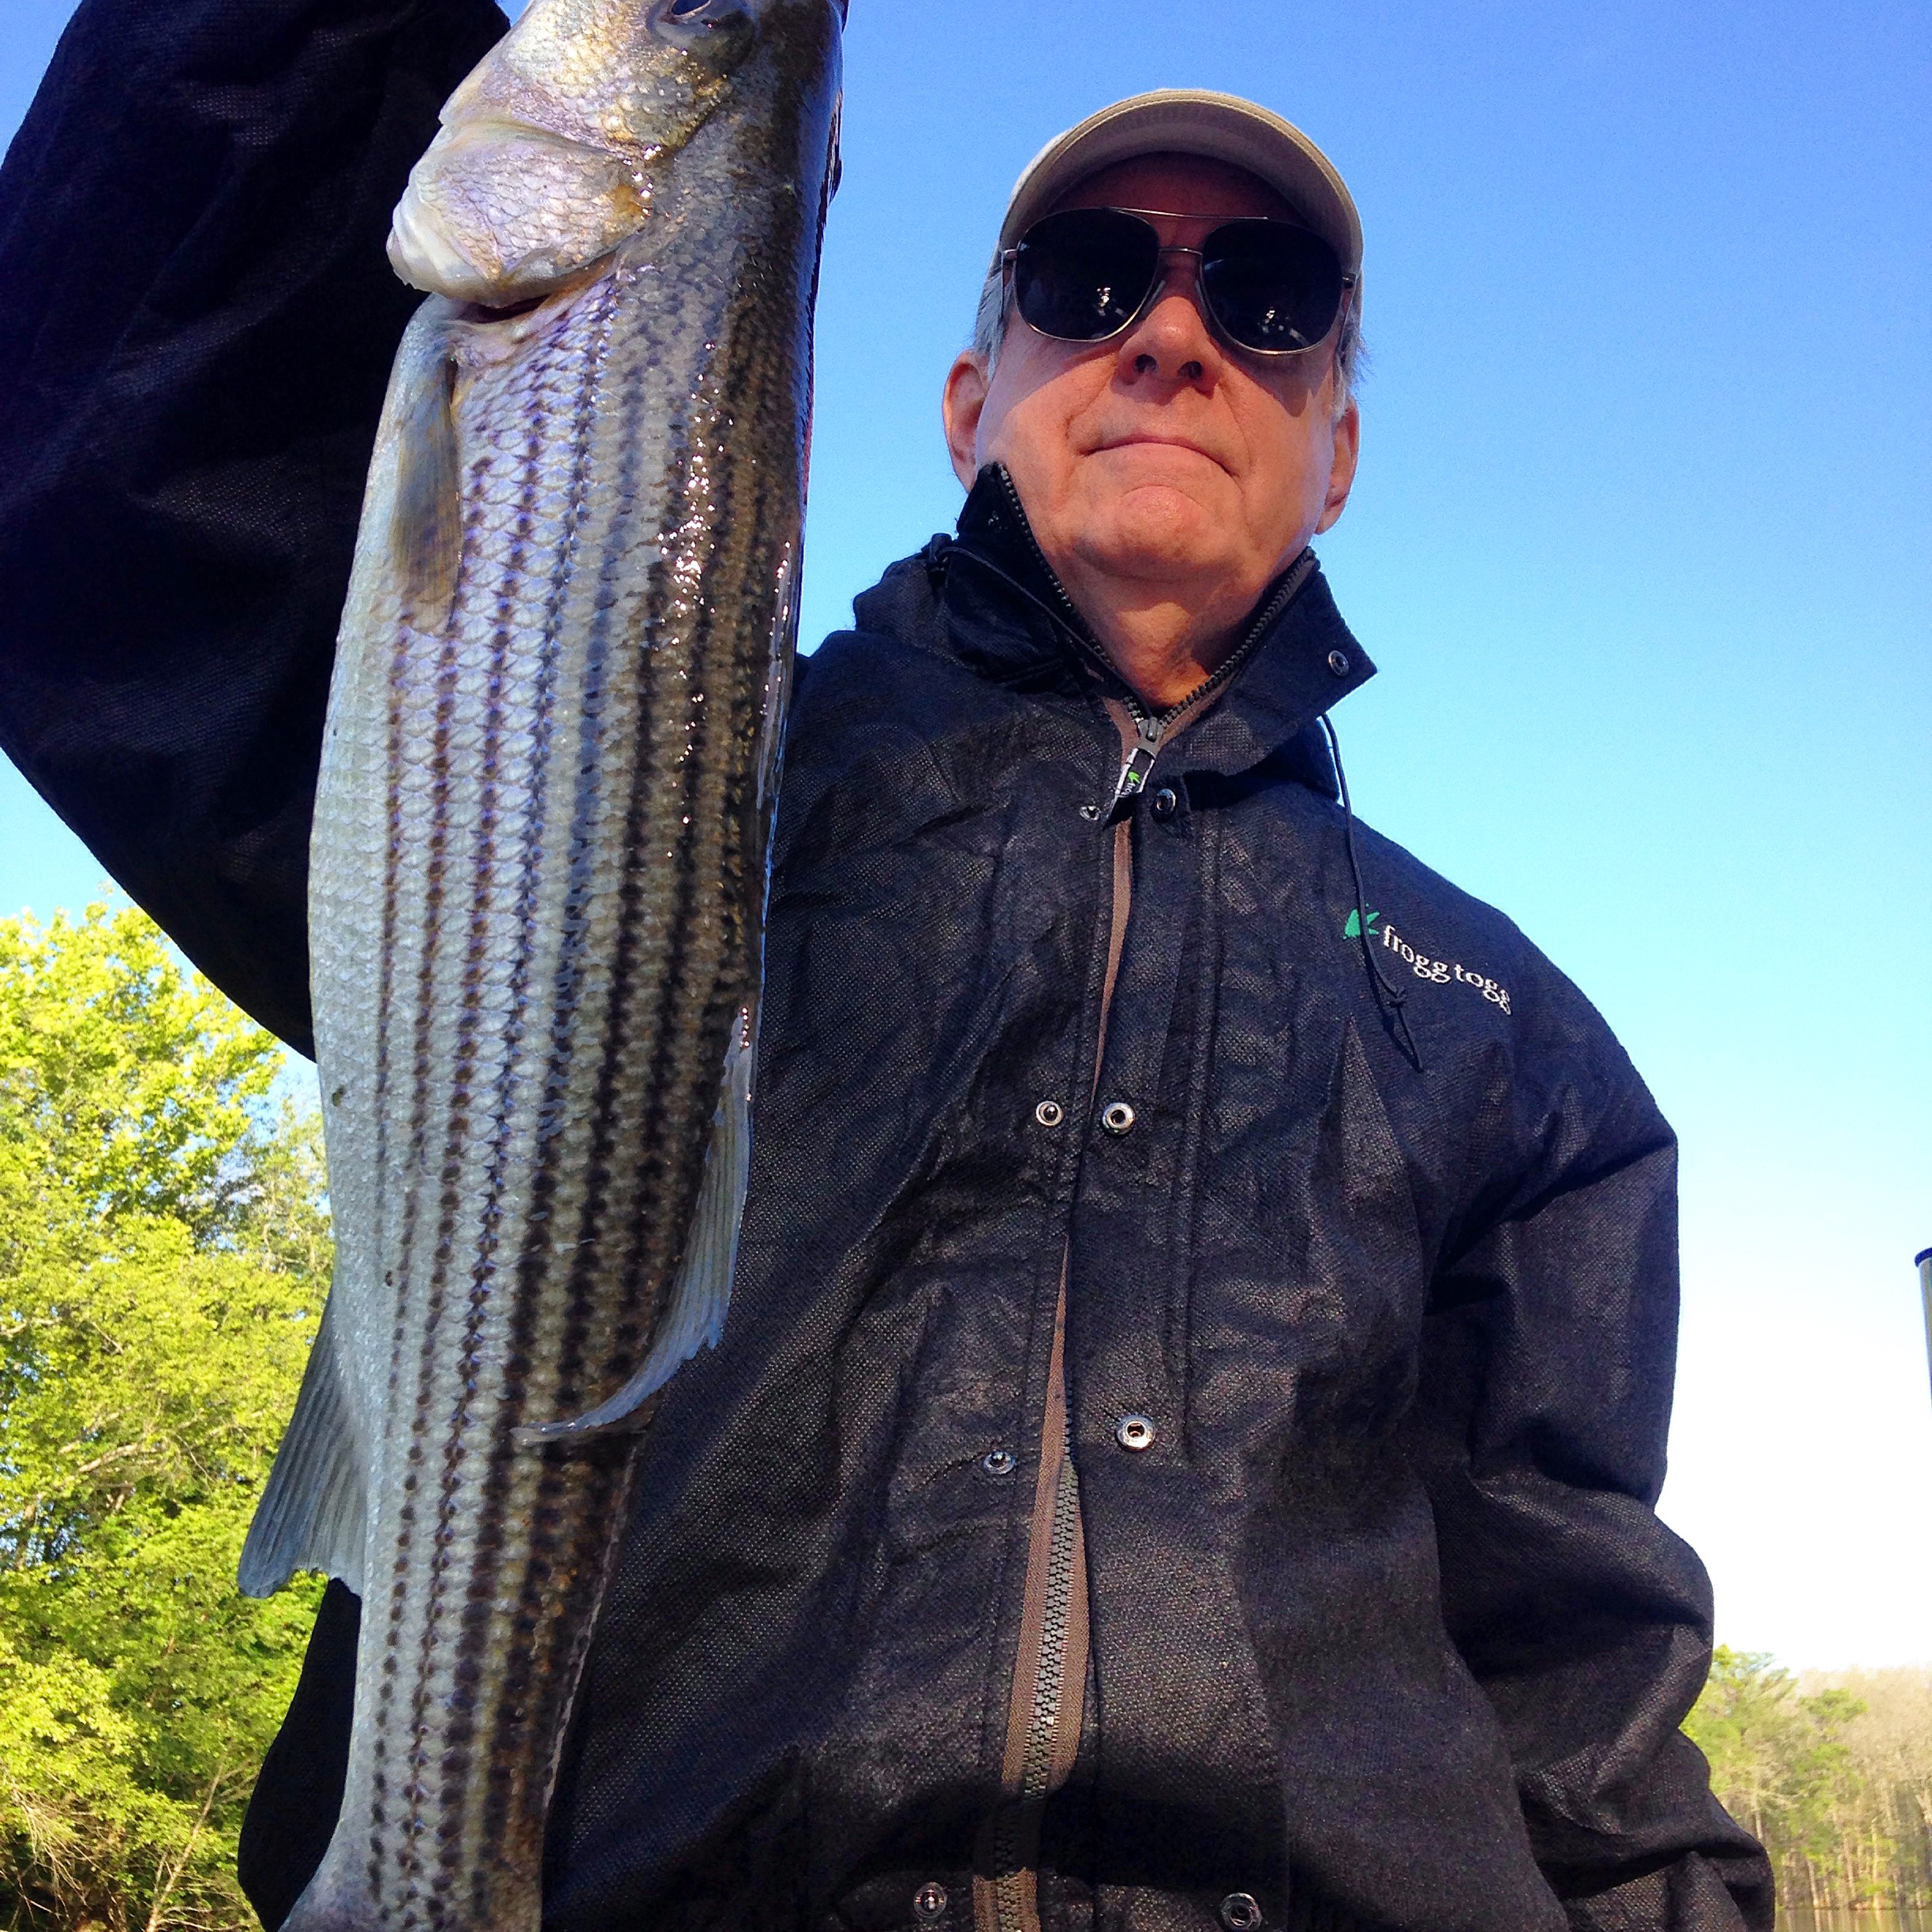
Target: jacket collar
(1003, 610)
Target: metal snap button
(1090, 813)
(1118, 1118)
(1049, 1113)
(999, 1462)
(929, 1903)
(1135, 1432)
(1166, 801)
(1241, 1912)
(1338, 663)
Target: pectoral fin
(313, 1514)
(426, 521)
(693, 1318)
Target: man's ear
(1342, 469)
(962, 404)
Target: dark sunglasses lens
(1271, 286)
(1083, 274)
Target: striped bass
(537, 885)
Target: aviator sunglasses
(1088, 275)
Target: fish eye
(709, 28)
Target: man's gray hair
(990, 323)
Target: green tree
(163, 1255)
(1833, 1788)
(1777, 1758)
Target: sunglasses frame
(1009, 257)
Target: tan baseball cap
(1189, 121)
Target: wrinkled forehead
(1178, 184)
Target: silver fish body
(538, 873)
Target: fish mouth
(543, 304)
(498, 210)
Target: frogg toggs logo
(1439, 972)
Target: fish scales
(537, 902)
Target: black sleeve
(1545, 1403)
(292, 1812)
(196, 332)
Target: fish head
(552, 151)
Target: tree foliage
(1833, 1774)
(163, 1254)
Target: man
(1183, 1451)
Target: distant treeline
(1832, 1773)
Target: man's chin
(1158, 529)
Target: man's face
(1165, 463)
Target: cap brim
(1217, 127)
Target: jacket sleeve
(1544, 1403)
(196, 335)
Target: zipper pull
(1140, 765)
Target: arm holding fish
(199, 326)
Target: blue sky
(1640, 544)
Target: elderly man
(1184, 1452)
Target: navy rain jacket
(1184, 1448)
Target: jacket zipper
(1050, 1683)
(1048, 1693)
(1044, 1716)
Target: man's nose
(1172, 339)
